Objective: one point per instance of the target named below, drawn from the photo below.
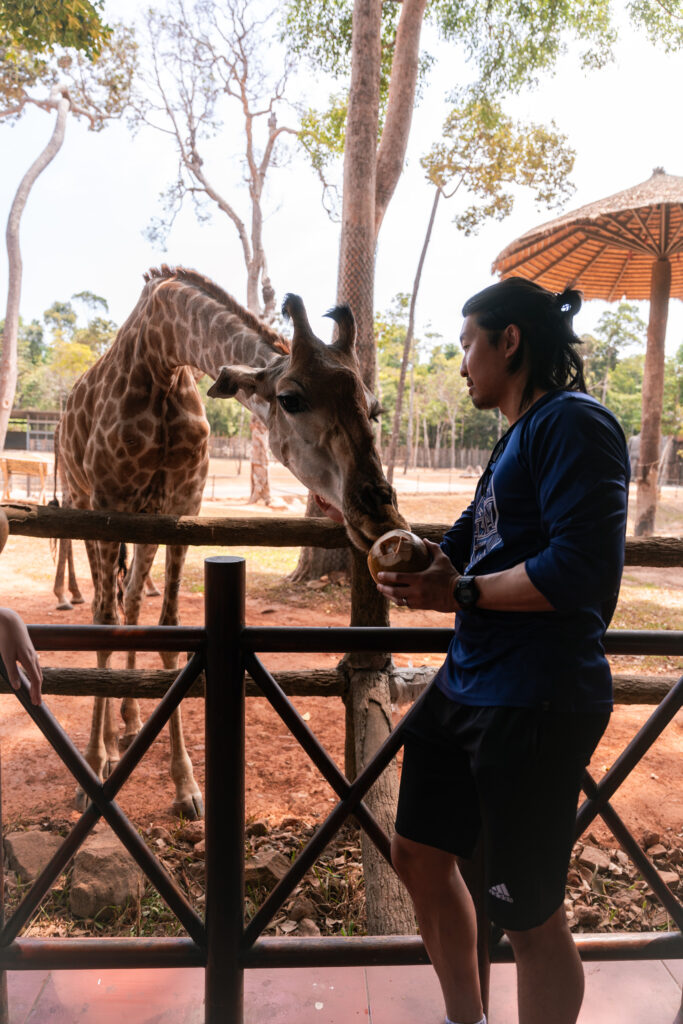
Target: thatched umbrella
(626, 246)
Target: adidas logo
(501, 892)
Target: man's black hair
(548, 341)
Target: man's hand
(16, 646)
(432, 588)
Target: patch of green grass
(265, 566)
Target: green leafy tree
(52, 355)
(61, 59)
(38, 27)
(661, 20)
(226, 419)
(484, 153)
(616, 331)
(626, 385)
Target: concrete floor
(616, 993)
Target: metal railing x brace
(223, 943)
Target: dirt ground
(280, 779)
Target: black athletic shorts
(512, 775)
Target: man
(532, 569)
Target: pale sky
(82, 228)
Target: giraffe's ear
(232, 379)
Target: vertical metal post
(224, 602)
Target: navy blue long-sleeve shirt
(554, 497)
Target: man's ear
(232, 379)
(512, 339)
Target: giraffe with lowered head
(134, 438)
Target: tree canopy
(98, 86)
(35, 28)
(54, 352)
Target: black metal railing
(222, 943)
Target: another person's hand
(16, 646)
(331, 511)
(432, 588)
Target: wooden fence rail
(41, 521)
(405, 685)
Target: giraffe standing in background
(134, 438)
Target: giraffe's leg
(63, 602)
(111, 739)
(151, 589)
(95, 752)
(103, 558)
(76, 596)
(188, 801)
(132, 600)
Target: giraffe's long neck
(189, 328)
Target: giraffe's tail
(54, 500)
(121, 574)
(54, 541)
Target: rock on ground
(104, 875)
(28, 852)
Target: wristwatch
(466, 592)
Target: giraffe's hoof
(191, 808)
(81, 801)
(152, 592)
(125, 741)
(64, 606)
(77, 599)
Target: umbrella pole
(652, 400)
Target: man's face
(484, 365)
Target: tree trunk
(453, 433)
(408, 344)
(316, 562)
(436, 460)
(8, 361)
(356, 278)
(368, 723)
(370, 178)
(425, 435)
(260, 484)
(652, 400)
(409, 427)
(416, 442)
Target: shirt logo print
(486, 536)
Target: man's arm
(509, 590)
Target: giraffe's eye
(291, 402)
(375, 411)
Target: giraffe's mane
(214, 291)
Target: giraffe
(134, 437)
(65, 573)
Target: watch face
(466, 592)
